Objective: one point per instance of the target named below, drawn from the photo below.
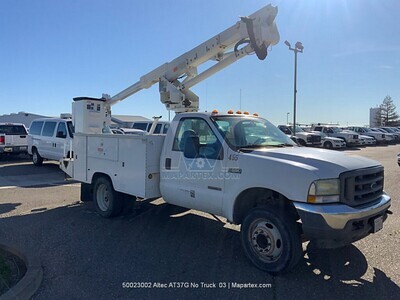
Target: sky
(52, 51)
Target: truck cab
(233, 165)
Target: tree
(387, 115)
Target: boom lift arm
(253, 34)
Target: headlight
(324, 191)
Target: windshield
(299, 129)
(250, 132)
(388, 129)
(336, 129)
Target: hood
(331, 138)
(324, 162)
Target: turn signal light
(215, 112)
(255, 114)
(239, 112)
(246, 113)
(230, 112)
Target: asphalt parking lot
(133, 256)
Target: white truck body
(224, 176)
(135, 172)
(237, 166)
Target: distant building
(373, 120)
(21, 117)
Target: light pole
(287, 118)
(298, 47)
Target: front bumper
(335, 225)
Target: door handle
(168, 163)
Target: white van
(50, 138)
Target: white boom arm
(252, 34)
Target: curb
(31, 281)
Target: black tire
(263, 225)
(328, 145)
(86, 192)
(106, 199)
(36, 158)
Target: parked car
(50, 138)
(351, 138)
(332, 142)
(392, 131)
(304, 138)
(390, 138)
(367, 140)
(161, 128)
(13, 138)
(378, 136)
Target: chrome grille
(361, 186)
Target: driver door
(195, 176)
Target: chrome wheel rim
(265, 240)
(103, 197)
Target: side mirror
(192, 145)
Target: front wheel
(328, 145)
(106, 199)
(271, 240)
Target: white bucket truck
(234, 165)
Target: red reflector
(2, 139)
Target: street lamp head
(287, 44)
(299, 46)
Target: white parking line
(7, 187)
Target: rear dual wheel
(110, 203)
(106, 198)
